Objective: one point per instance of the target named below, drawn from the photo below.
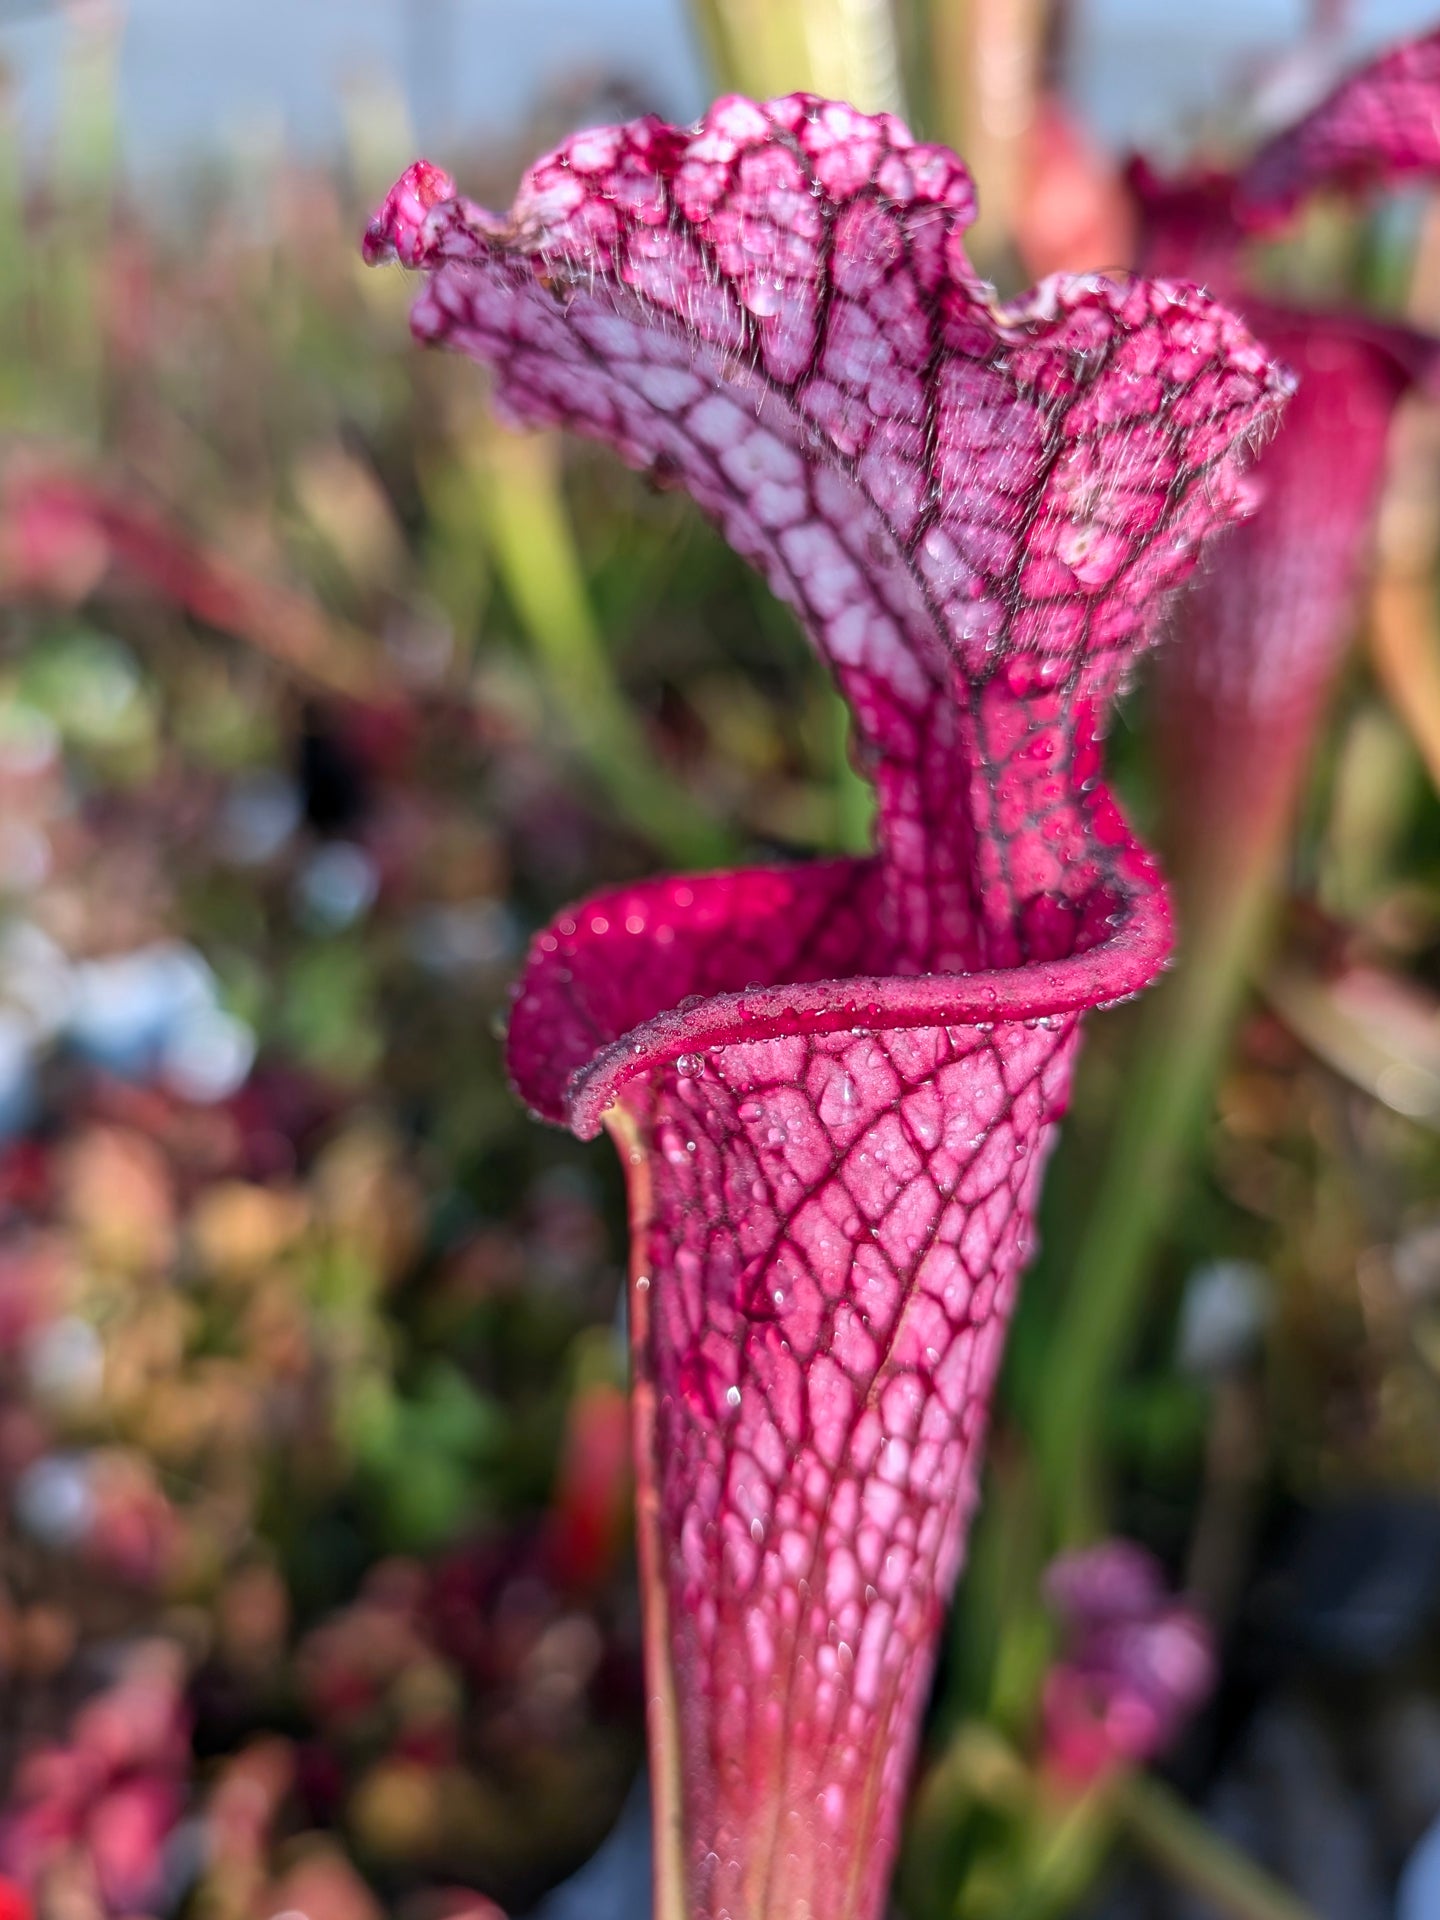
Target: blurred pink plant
(834, 1085)
(1266, 627)
(1239, 700)
(15, 1903)
(104, 1803)
(1136, 1663)
(63, 532)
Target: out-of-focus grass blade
(85, 144)
(456, 565)
(44, 513)
(1405, 649)
(82, 180)
(17, 357)
(1404, 617)
(1063, 1836)
(379, 138)
(533, 547)
(1182, 1035)
(1196, 1857)
(1373, 1028)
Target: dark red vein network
(976, 510)
(835, 1084)
(1266, 628)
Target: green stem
(1178, 1841)
(854, 797)
(1066, 1837)
(1185, 1030)
(83, 179)
(845, 49)
(533, 546)
(12, 216)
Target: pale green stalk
(12, 216)
(533, 547)
(1184, 1032)
(1194, 1855)
(1063, 1837)
(854, 796)
(843, 49)
(71, 284)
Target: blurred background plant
(318, 691)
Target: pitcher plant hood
(834, 1084)
(1266, 629)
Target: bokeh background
(318, 693)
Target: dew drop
(732, 1396)
(689, 1066)
(642, 1283)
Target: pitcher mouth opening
(583, 1023)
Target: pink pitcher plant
(1268, 628)
(834, 1085)
(1240, 700)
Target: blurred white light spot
(103, 697)
(29, 741)
(126, 1007)
(457, 939)
(261, 812)
(65, 1361)
(1225, 1310)
(337, 885)
(1409, 1088)
(54, 1501)
(207, 1055)
(422, 645)
(17, 1071)
(24, 856)
(36, 977)
(1419, 1891)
